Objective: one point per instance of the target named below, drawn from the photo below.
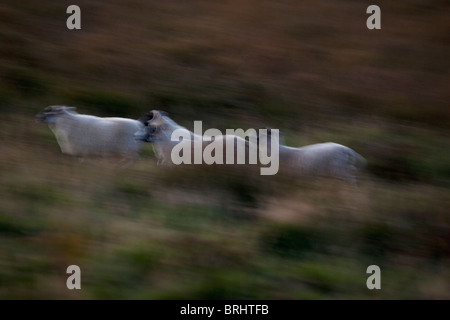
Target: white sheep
(320, 160)
(159, 128)
(90, 136)
(317, 160)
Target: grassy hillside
(147, 232)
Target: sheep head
(154, 116)
(149, 133)
(52, 112)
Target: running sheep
(159, 129)
(327, 159)
(84, 135)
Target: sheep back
(85, 135)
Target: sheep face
(153, 125)
(153, 115)
(149, 133)
(51, 113)
(146, 118)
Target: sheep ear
(143, 119)
(148, 116)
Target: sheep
(327, 159)
(159, 129)
(84, 135)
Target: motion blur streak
(310, 68)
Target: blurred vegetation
(312, 69)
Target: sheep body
(91, 136)
(159, 128)
(322, 160)
(327, 159)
